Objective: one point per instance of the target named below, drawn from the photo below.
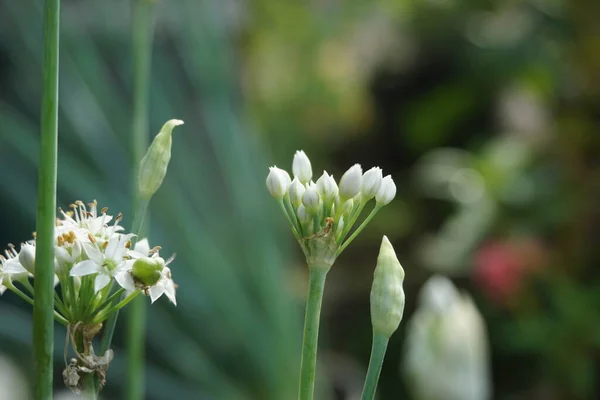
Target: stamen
(92, 239)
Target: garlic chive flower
(323, 215)
(301, 167)
(93, 260)
(278, 181)
(387, 191)
(351, 182)
(371, 182)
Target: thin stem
(101, 316)
(43, 308)
(59, 318)
(308, 364)
(289, 218)
(360, 228)
(378, 350)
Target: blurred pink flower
(500, 266)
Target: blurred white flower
(311, 200)
(327, 187)
(446, 354)
(296, 191)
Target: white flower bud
(301, 167)
(153, 166)
(446, 338)
(311, 200)
(303, 215)
(296, 191)
(278, 181)
(387, 191)
(347, 207)
(350, 182)
(27, 257)
(371, 182)
(387, 294)
(327, 188)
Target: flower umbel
(323, 214)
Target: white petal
(93, 253)
(170, 291)
(142, 247)
(156, 291)
(62, 255)
(86, 267)
(101, 281)
(2, 289)
(13, 267)
(125, 280)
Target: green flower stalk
(321, 216)
(43, 310)
(143, 32)
(387, 308)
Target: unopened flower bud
(153, 166)
(303, 215)
(387, 191)
(387, 294)
(27, 257)
(347, 207)
(350, 182)
(296, 191)
(147, 270)
(327, 188)
(278, 181)
(311, 200)
(371, 182)
(301, 167)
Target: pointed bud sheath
(311, 201)
(386, 192)
(350, 182)
(387, 294)
(371, 182)
(27, 257)
(296, 191)
(147, 270)
(327, 188)
(278, 181)
(301, 167)
(153, 166)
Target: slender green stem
(308, 364)
(360, 228)
(101, 316)
(289, 218)
(378, 350)
(43, 308)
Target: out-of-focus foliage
(485, 112)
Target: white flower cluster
(326, 208)
(93, 256)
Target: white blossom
(327, 187)
(296, 191)
(351, 182)
(278, 181)
(387, 191)
(311, 200)
(371, 182)
(301, 167)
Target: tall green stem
(308, 364)
(143, 27)
(43, 307)
(378, 350)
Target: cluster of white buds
(322, 214)
(94, 263)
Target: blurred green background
(484, 112)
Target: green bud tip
(147, 270)
(387, 294)
(153, 166)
